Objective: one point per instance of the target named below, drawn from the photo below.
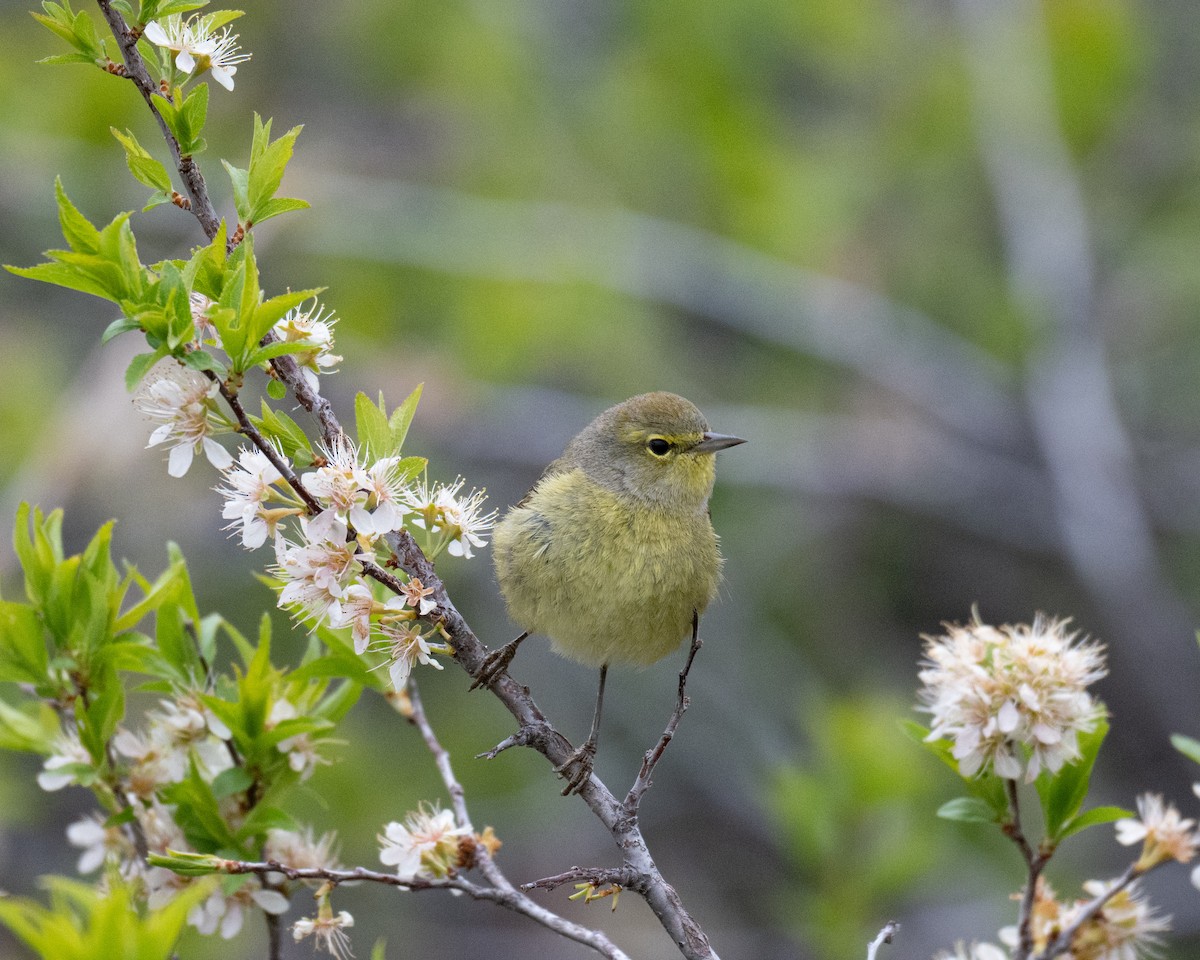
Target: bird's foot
(582, 760)
(495, 663)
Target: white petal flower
(426, 845)
(996, 692)
(328, 932)
(298, 848)
(249, 487)
(99, 844)
(181, 401)
(340, 484)
(317, 572)
(1163, 833)
(311, 325)
(458, 519)
(198, 46)
(68, 752)
(406, 647)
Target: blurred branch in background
(1080, 436)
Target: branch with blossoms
(1010, 710)
(204, 780)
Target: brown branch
(268, 450)
(135, 69)
(1035, 862)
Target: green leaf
(68, 58)
(241, 189)
(205, 272)
(84, 922)
(1188, 746)
(402, 417)
(145, 169)
(371, 427)
(23, 655)
(140, 365)
(77, 229)
(118, 327)
(185, 117)
(279, 426)
(186, 864)
(268, 160)
(32, 727)
(967, 810)
(1062, 794)
(157, 9)
(381, 435)
(276, 389)
(263, 818)
(202, 360)
(231, 781)
(77, 29)
(1091, 818)
(198, 814)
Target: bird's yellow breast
(607, 577)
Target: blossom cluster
(1012, 699)
(319, 558)
(180, 736)
(322, 570)
(1125, 928)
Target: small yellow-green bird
(612, 554)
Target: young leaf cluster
(87, 634)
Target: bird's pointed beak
(713, 442)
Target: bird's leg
(583, 758)
(496, 662)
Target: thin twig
(1035, 863)
(597, 876)
(268, 449)
(440, 756)
(1062, 941)
(135, 69)
(642, 783)
(889, 931)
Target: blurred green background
(936, 260)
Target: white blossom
(406, 647)
(1162, 832)
(68, 752)
(328, 931)
(249, 486)
(300, 749)
(225, 913)
(311, 325)
(997, 691)
(181, 401)
(99, 843)
(318, 571)
(457, 519)
(426, 845)
(198, 47)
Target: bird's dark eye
(659, 447)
